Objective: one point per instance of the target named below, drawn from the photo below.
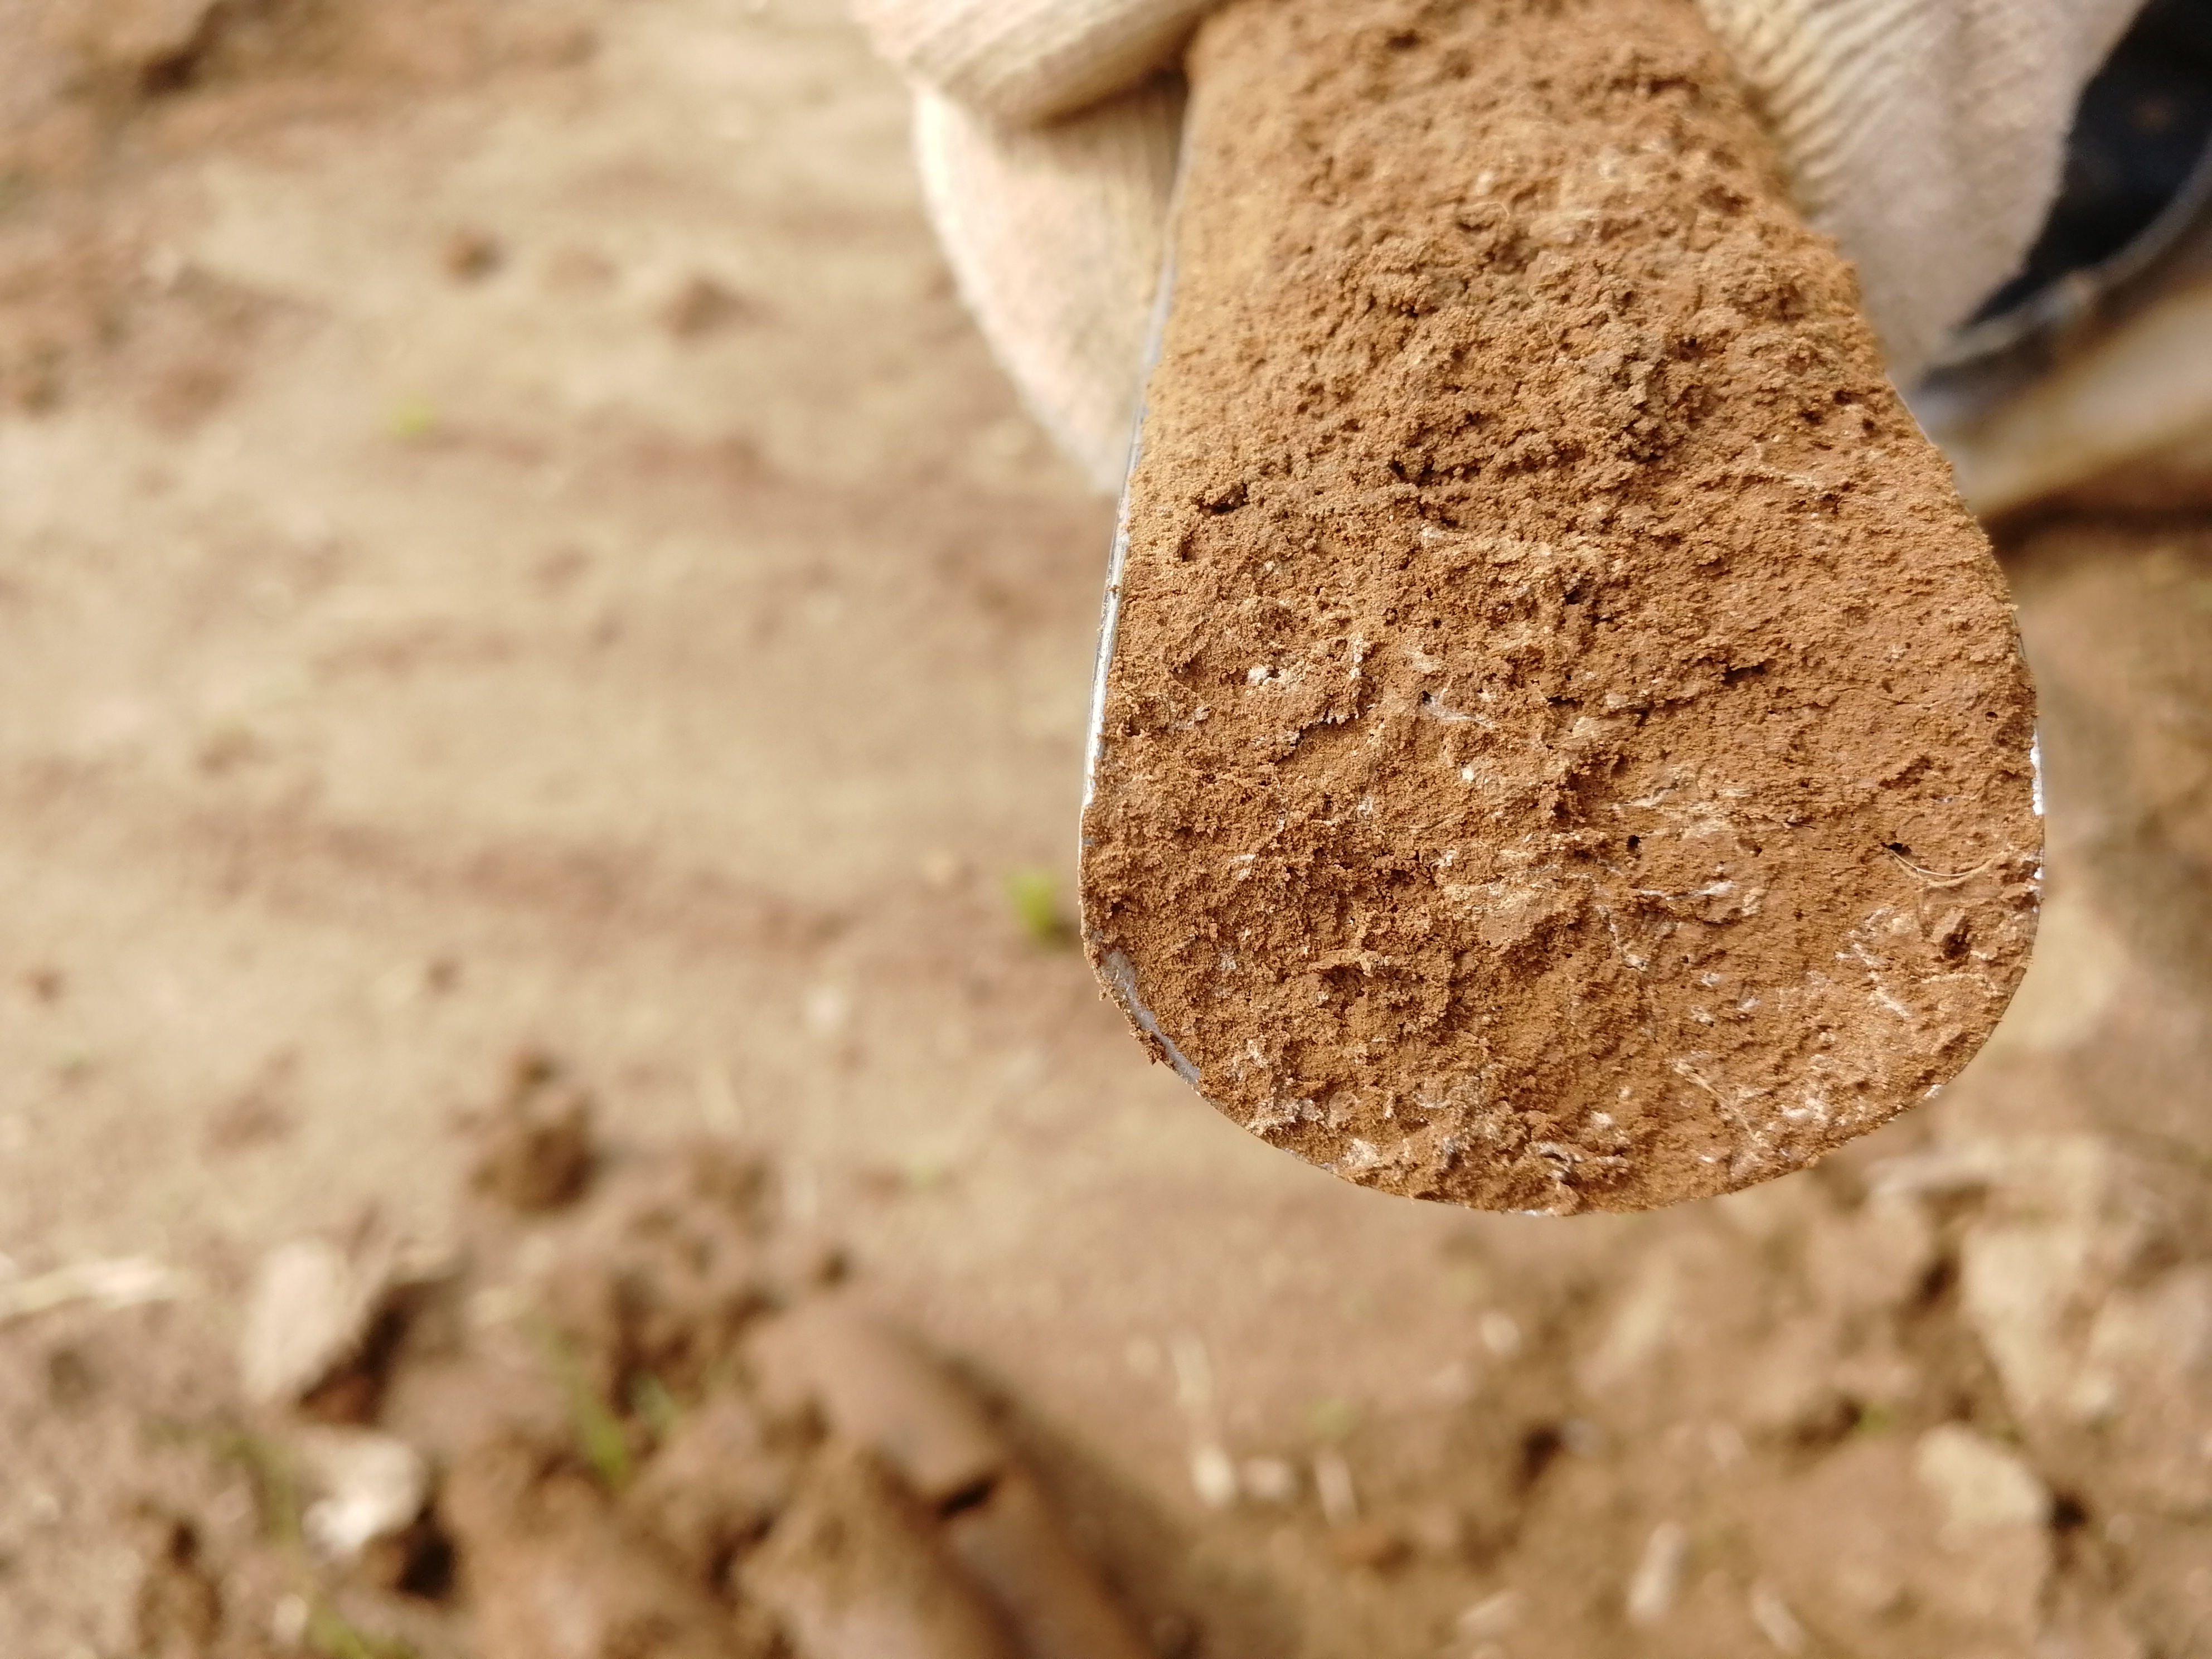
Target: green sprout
(652, 1404)
(599, 1433)
(332, 1635)
(276, 1482)
(415, 419)
(1034, 895)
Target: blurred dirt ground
(507, 542)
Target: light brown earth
(507, 541)
(1566, 747)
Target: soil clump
(630, 1412)
(1566, 745)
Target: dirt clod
(550, 1571)
(178, 1612)
(716, 1486)
(311, 1315)
(537, 1155)
(701, 306)
(471, 256)
(855, 1570)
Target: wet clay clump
(1565, 744)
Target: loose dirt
(638, 1419)
(1567, 746)
(437, 629)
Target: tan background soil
(507, 538)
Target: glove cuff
(1055, 236)
(1027, 61)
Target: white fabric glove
(1926, 136)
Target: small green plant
(332, 1635)
(652, 1404)
(414, 419)
(1034, 895)
(276, 1482)
(277, 1496)
(599, 1433)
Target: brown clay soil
(1566, 747)
(507, 545)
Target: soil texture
(509, 547)
(1566, 745)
